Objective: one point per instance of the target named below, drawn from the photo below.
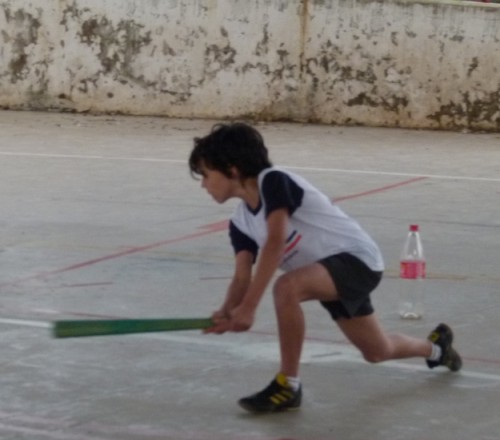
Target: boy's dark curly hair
(230, 145)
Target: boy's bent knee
(284, 288)
(283, 283)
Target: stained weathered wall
(391, 63)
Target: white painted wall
(384, 63)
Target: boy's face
(218, 185)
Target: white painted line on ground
(422, 368)
(292, 167)
(25, 322)
(389, 173)
(321, 352)
(90, 157)
(314, 352)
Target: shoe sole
(454, 361)
(253, 410)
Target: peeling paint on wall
(392, 63)
(469, 111)
(116, 46)
(19, 33)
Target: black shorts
(354, 281)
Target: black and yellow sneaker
(277, 396)
(443, 336)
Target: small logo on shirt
(292, 241)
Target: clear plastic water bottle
(412, 275)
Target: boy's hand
(242, 318)
(221, 323)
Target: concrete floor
(100, 218)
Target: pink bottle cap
(414, 228)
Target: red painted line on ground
(205, 230)
(381, 189)
(482, 360)
(215, 278)
(106, 283)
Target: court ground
(100, 218)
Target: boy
(325, 255)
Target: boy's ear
(235, 174)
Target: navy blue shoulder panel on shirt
(280, 191)
(241, 241)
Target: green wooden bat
(101, 327)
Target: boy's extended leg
(368, 336)
(366, 333)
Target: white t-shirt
(317, 227)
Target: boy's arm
(235, 291)
(242, 316)
(240, 281)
